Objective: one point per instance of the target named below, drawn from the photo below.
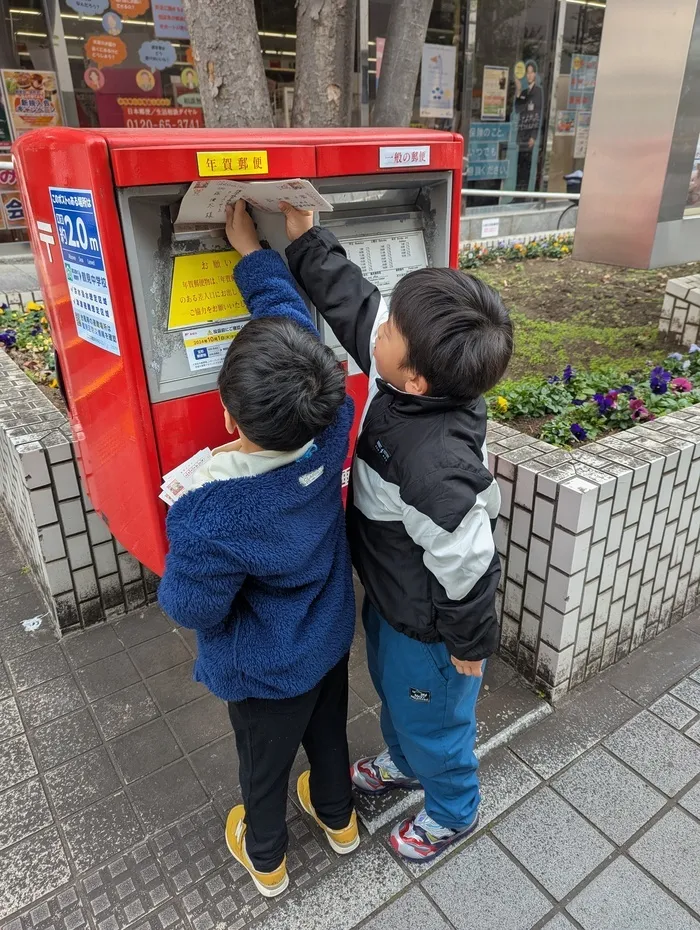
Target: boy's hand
(298, 221)
(240, 229)
(465, 667)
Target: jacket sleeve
(350, 305)
(268, 289)
(201, 577)
(450, 514)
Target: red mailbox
(101, 207)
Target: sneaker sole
(455, 839)
(263, 889)
(336, 847)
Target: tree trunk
(229, 63)
(405, 35)
(325, 50)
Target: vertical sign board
(81, 249)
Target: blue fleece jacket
(259, 566)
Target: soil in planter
(568, 312)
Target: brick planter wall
(599, 546)
(680, 313)
(85, 574)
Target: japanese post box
(140, 390)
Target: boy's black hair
(458, 333)
(280, 384)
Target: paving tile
(156, 655)
(16, 762)
(10, 723)
(343, 898)
(14, 610)
(168, 795)
(552, 841)
(361, 683)
(609, 795)
(91, 645)
(192, 849)
(108, 675)
(673, 711)
(64, 738)
(51, 700)
(584, 718)
(412, 911)
(624, 898)
(23, 810)
(694, 732)
(15, 640)
(688, 691)
(505, 900)
(504, 781)
(497, 674)
(17, 583)
(126, 890)
(102, 831)
(124, 710)
(175, 687)
(216, 766)
(168, 917)
(5, 686)
(34, 668)
(61, 911)
(691, 801)
(664, 757)
(30, 869)
(145, 750)
(142, 625)
(670, 850)
(356, 705)
(81, 781)
(501, 709)
(560, 922)
(654, 668)
(200, 722)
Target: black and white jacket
(423, 504)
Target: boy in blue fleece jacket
(259, 567)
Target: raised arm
(350, 305)
(265, 283)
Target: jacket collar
(411, 404)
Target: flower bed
(576, 407)
(24, 334)
(550, 247)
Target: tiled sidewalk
(116, 772)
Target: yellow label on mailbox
(203, 289)
(228, 164)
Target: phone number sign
(81, 250)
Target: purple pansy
(568, 374)
(8, 338)
(658, 379)
(578, 432)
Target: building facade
(515, 77)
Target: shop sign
(157, 55)
(32, 100)
(169, 19)
(8, 178)
(155, 117)
(13, 210)
(489, 132)
(488, 170)
(88, 7)
(130, 9)
(105, 51)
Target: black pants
(268, 736)
(524, 166)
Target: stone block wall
(599, 546)
(85, 574)
(680, 313)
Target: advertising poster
(437, 80)
(81, 249)
(142, 114)
(583, 122)
(584, 69)
(32, 100)
(693, 200)
(566, 123)
(169, 19)
(380, 54)
(494, 93)
(158, 55)
(106, 51)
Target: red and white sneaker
(421, 839)
(378, 774)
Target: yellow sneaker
(342, 841)
(269, 884)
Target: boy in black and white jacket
(421, 514)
